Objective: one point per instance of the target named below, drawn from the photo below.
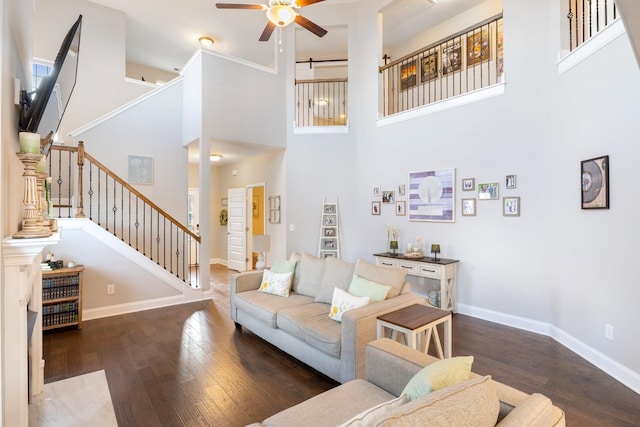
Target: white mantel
(22, 289)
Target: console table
(444, 270)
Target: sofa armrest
(242, 282)
(245, 281)
(359, 328)
(390, 365)
(534, 411)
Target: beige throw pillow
(372, 416)
(472, 403)
(394, 277)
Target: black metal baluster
(158, 237)
(115, 207)
(91, 191)
(122, 212)
(99, 195)
(144, 228)
(137, 224)
(597, 16)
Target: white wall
(556, 269)
(101, 86)
(153, 128)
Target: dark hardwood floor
(187, 366)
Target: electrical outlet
(608, 331)
(111, 289)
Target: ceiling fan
(280, 14)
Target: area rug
(79, 401)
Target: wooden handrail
(82, 155)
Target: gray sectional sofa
(479, 401)
(299, 324)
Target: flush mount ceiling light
(215, 157)
(206, 41)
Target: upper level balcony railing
(463, 62)
(586, 18)
(321, 102)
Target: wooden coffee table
(413, 321)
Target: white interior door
(237, 229)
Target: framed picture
(478, 47)
(140, 169)
(595, 183)
(401, 208)
(452, 57)
(328, 254)
(468, 184)
(375, 208)
(468, 207)
(408, 75)
(329, 244)
(511, 206)
(329, 209)
(429, 67)
(432, 195)
(402, 190)
(376, 191)
(329, 232)
(388, 197)
(510, 181)
(329, 220)
(488, 191)
(255, 207)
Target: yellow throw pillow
(440, 374)
(276, 283)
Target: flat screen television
(42, 110)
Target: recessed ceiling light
(215, 157)
(206, 41)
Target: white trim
(591, 46)
(621, 373)
(218, 261)
(447, 104)
(128, 105)
(132, 307)
(141, 83)
(266, 69)
(321, 130)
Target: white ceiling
(164, 34)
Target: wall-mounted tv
(42, 110)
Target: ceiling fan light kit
(280, 13)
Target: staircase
(82, 187)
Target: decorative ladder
(329, 244)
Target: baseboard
(132, 307)
(218, 261)
(621, 373)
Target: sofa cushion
(438, 375)
(337, 274)
(276, 283)
(343, 301)
(311, 271)
(332, 407)
(393, 277)
(309, 323)
(264, 307)
(362, 287)
(375, 414)
(469, 403)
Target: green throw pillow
(438, 375)
(361, 287)
(283, 267)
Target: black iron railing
(463, 62)
(321, 102)
(122, 210)
(587, 18)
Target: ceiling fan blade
(268, 30)
(240, 6)
(303, 3)
(314, 28)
